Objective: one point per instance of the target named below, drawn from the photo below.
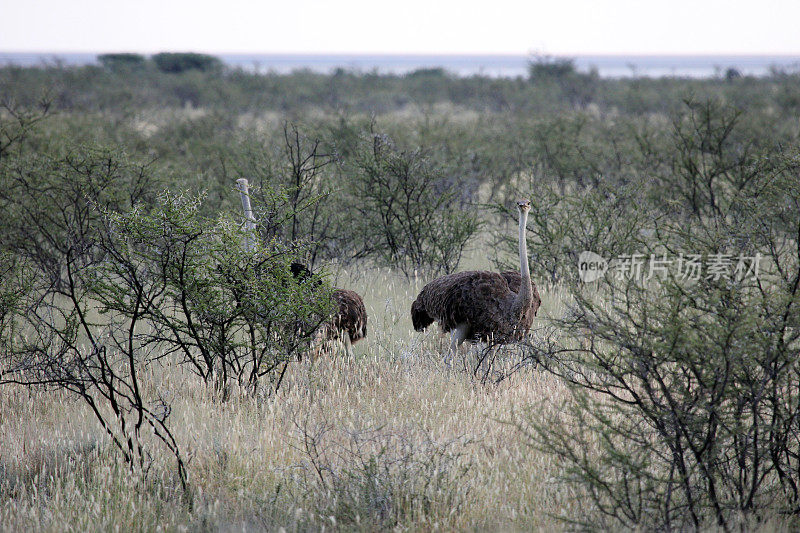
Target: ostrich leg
(348, 346)
(459, 334)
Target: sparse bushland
(233, 313)
(404, 214)
(649, 406)
(685, 410)
(102, 282)
(304, 171)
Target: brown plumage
(350, 318)
(480, 305)
(479, 299)
(514, 281)
(350, 315)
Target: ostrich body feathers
(479, 299)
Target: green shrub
(234, 313)
(436, 72)
(175, 63)
(544, 67)
(48, 205)
(122, 62)
(16, 281)
(404, 213)
(303, 171)
(577, 88)
(685, 410)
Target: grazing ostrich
(348, 323)
(480, 305)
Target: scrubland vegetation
(152, 369)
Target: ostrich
(480, 305)
(348, 323)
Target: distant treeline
(553, 85)
(165, 62)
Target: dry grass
(398, 437)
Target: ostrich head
(524, 205)
(302, 274)
(300, 271)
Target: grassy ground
(390, 437)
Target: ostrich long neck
(525, 294)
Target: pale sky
(558, 27)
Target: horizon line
(418, 54)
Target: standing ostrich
(480, 305)
(348, 323)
